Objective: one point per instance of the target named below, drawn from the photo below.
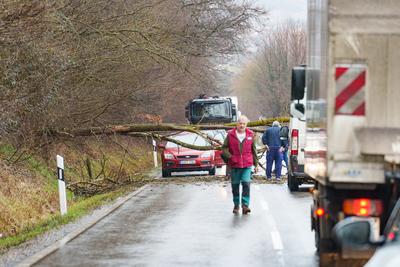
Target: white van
(297, 134)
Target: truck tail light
(295, 142)
(320, 212)
(362, 207)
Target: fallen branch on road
(161, 127)
(153, 130)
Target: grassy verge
(29, 201)
(74, 212)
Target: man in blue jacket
(271, 138)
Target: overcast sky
(281, 10)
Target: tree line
(85, 63)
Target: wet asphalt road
(193, 225)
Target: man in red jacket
(240, 151)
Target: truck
(212, 110)
(352, 147)
(297, 133)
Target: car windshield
(190, 138)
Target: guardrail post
(155, 152)
(61, 185)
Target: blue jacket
(271, 137)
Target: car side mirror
(187, 108)
(234, 113)
(355, 233)
(161, 145)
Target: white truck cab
(297, 131)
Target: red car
(181, 159)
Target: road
(193, 225)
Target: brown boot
(245, 209)
(236, 209)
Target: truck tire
(292, 182)
(212, 171)
(166, 173)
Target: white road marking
(272, 227)
(271, 223)
(276, 240)
(281, 260)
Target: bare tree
(82, 62)
(267, 76)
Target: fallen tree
(154, 130)
(162, 132)
(126, 129)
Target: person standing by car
(284, 136)
(271, 138)
(239, 150)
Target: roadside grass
(80, 208)
(6, 149)
(29, 188)
(32, 163)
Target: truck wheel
(317, 240)
(292, 183)
(212, 171)
(166, 173)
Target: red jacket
(242, 155)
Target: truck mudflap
(296, 168)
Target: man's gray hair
(243, 118)
(276, 123)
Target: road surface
(193, 225)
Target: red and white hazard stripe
(350, 90)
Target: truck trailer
(352, 149)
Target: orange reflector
(362, 207)
(319, 212)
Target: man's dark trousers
(274, 155)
